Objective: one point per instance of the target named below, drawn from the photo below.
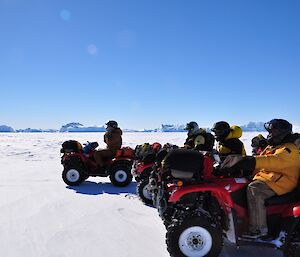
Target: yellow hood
(236, 132)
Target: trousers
(257, 192)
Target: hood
(235, 132)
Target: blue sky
(145, 62)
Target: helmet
(278, 130)
(259, 141)
(156, 146)
(112, 124)
(192, 127)
(221, 130)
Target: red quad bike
(145, 157)
(79, 164)
(201, 210)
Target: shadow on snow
(93, 188)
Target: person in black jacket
(198, 138)
(258, 144)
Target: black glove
(237, 165)
(217, 172)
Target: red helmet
(156, 146)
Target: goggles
(269, 126)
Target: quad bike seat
(183, 164)
(287, 198)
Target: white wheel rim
(121, 176)
(73, 175)
(146, 192)
(195, 242)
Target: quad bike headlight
(180, 183)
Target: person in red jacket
(113, 141)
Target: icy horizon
(78, 127)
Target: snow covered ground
(42, 217)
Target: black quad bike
(200, 213)
(79, 164)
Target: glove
(217, 172)
(237, 165)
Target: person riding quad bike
(198, 138)
(113, 140)
(276, 172)
(200, 213)
(228, 139)
(258, 144)
(79, 164)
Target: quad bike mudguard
(221, 189)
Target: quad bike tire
(73, 173)
(73, 176)
(142, 190)
(120, 175)
(194, 236)
(146, 173)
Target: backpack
(125, 152)
(71, 146)
(145, 153)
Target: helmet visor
(268, 126)
(218, 132)
(187, 127)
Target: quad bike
(79, 164)
(200, 213)
(145, 157)
(141, 172)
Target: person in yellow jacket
(276, 172)
(228, 139)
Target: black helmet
(192, 127)
(259, 141)
(278, 130)
(221, 130)
(112, 124)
